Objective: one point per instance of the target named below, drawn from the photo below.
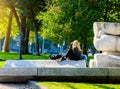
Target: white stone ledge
(58, 74)
(44, 63)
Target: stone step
(60, 74)
(17, 74)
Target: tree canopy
(73, 19)
(61, 20)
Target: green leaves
(73, 19)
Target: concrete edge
(107, 75)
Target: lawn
(14, 56)
(2, 63)
(71, 85)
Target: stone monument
(106, 40)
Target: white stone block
(112, 28)
(92, 64)
(105, 60)
(96, 28)
(107, 43)
(44, 63)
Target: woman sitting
(74, 52)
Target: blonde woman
(74, 52)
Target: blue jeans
(84, 57)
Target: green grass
(70, 85)
(90, 57)
(2, 63)
(14, 56)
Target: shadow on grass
(70, 86)
(101, 86)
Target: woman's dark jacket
(73, 54)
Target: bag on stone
(55, 56)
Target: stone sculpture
(106, 40)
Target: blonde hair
(76, 44)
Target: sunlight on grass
(8, 56)
(2, 63)
(15, 56)
(66, 85)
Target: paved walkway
(28, 85)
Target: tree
(31, 10)
(7, 37)
(65, 20)
(10, 20)
(73, 19)
(23, 23)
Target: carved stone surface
(92, 63)
(111, 28)
(105, 60)
(107, 40)
(106, 36)
(107, 43)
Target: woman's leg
(84, 57)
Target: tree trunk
(24, 35)
(19, 26)
(16, 16)
(7, 37)
(85, 46)
(35, 33)
(36, 40)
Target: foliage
(73, 19)
(28, 10)
(3, 20)
(63, 20)
(4, 13)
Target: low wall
(50, 70)
(98, 75)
